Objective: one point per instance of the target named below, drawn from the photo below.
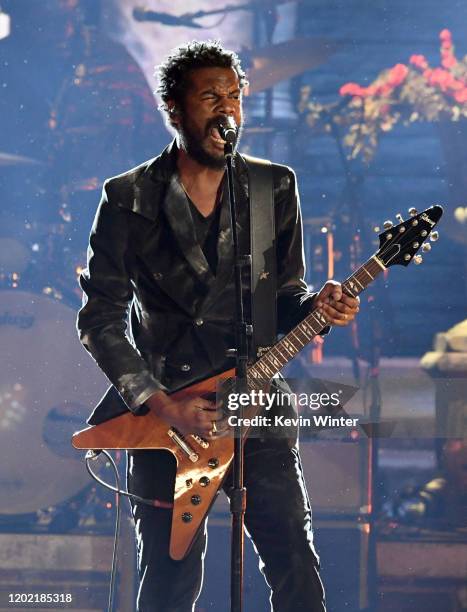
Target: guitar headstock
(400, 243)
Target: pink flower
(445, 35)
(419, 61)
(397, 75)
(461, 96)
(385, 89)
(444, 80)
(447, 58)
(439, 78)
(352, 89)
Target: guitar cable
(92, 455)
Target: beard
(195, 144)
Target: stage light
(5, 24)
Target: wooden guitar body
(201, 464)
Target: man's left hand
(338, 308)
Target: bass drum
(48, 386)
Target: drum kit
(48, 383)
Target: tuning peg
(417, 259)
(388, 224)
(434, 236)
(413, 211)
(400, 218)
(426, 247)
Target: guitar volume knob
(187, 517)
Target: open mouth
(216, 137)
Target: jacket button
(199, 322)
(158, 275)
(186, 367)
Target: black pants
(278, 520)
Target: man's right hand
(193, 416)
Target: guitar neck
(301, 335)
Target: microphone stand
(238, 491)
(186, 19)
(231, 8)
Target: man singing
(162, 242)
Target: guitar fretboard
(302, 334)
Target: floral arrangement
(404, 93)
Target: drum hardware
(14, 257)
(52, 292)
(91, 510)
(9, 281)
(320, 247)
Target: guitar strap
(263, 254)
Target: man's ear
(174, 112)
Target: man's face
(212, 93)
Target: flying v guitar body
(202, 464)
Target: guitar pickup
(186, 448)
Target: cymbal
(8, 159)
(284, 60)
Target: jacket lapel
(177, 210)
(160, 184)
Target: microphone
(143, 14)
(228, 129)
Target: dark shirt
(207, 231)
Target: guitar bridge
(201, 441)
(186, 448)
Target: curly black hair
(174, 72)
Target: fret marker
(352, 286)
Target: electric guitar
(202, 464)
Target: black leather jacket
(143, 253)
